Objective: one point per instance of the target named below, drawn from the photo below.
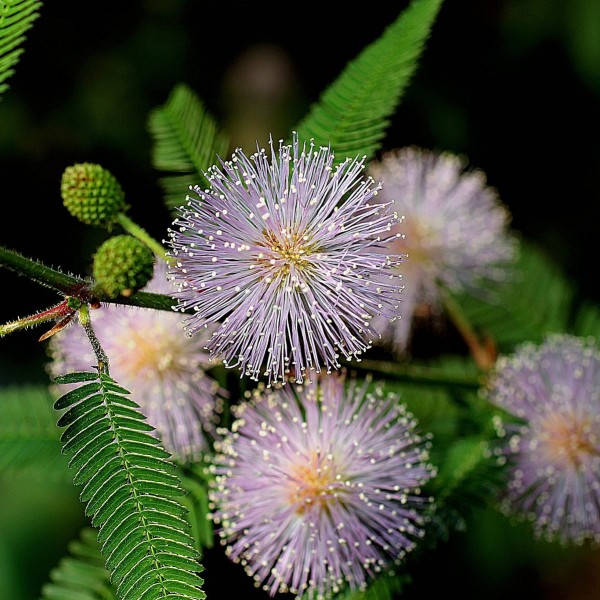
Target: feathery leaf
(353, 112)
(186, 142)
(82, 575)
(16, 18)
(131, 492)
(29, 438)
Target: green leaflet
(82, 575)
(186, 141)
(29, 438)
(131, 492)
(16, 18)
(196, 484)
(353, 112)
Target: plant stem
(141, 234)
(483, 354)
(86, 322)
(61, 310)
(83, 290)
(415, 374)
(67, 285)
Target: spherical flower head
(164, 369)
(553, 450)
(319, 486)
(289, 256)
(92, 194)
(122, 265)
(454, 230)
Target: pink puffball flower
(319, 486)
(453, 231)
(553, 450)
(287, 256)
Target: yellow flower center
(566, 439)
(148, 352)
(312, 483)
(281, 253)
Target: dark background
(513, 85)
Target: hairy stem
(67, 285)
(76, 287)
(86, 322)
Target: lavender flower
(288, 255)
(454, 226)
(162, 367)
(554, 452)
(318, 486)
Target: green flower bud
(122, 265)
(92, 194)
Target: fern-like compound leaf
(131, 490)
(81, 575)
(353, 112)
(186, 142)
(16, 18)
(29, 438)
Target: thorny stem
(77, 287)
(61, 310)
(67, 285)
(86, 322)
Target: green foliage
(29, 438)
(186, 141)
(535, 300)
(461, 423)
(131, 491)
(81, 576)
(196, 501)
(384, 587)
(469, 478)
(587, 321)
(353, 112)
(16, 18)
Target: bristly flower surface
(454, 230)
(288, 255)
(151, 355)
(554, 450)
(319, 486)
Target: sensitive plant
(215, 394)
(153, 358)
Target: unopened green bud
(122, 265)
(92, 194)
